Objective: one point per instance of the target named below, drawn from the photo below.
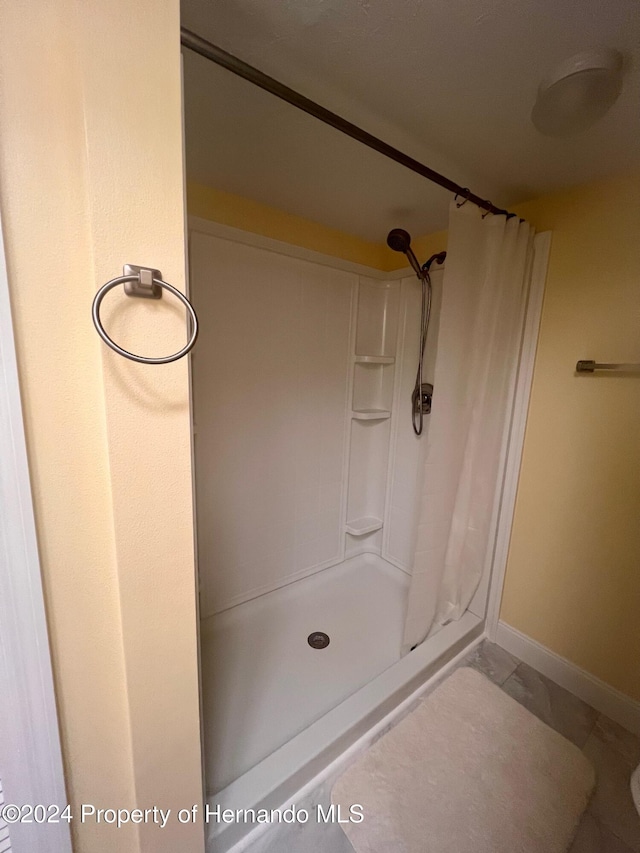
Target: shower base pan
(278, 710)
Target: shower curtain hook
(466, 192)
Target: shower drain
(318, 640)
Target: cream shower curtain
(485, 288)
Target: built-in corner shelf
(374, 359)
(370, 414)
(362, 526)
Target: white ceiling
(450, 82)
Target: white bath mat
(469, 771)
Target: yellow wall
(249, 215)
(573, 576)
(108, 440)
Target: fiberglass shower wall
(304, 451)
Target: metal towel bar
(146, 283)
(586, 366)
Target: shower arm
(436, 258)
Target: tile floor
(610, 824)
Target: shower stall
(308, 472)
(346, 532)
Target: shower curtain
(485, 289)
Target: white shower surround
(278, 776)
(305, 454)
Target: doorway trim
(31, 768)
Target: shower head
(400, 241)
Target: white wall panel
(270, 378)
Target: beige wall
(88, 183)
(573, 575)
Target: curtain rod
(237, 66)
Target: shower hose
(417, 415)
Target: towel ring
(148, 284)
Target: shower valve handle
(424, 400)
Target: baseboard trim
(600, 695)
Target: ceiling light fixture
(578, 93)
